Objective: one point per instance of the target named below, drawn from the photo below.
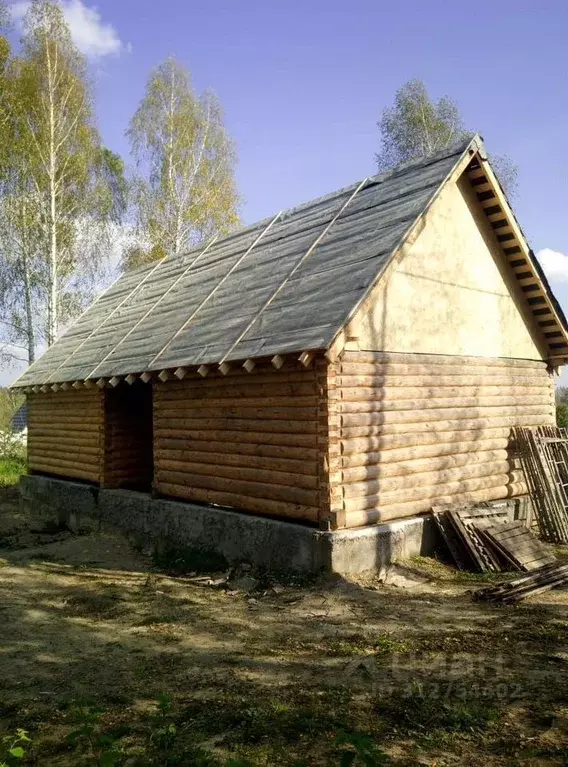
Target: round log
(240, 459)
(443, 414)
(301, 454)
(503, 401)
(413, 465)
(466, 424)
(250, 474)
(236, 424)
(235, 437)
(357, 394)
(237, 501)
(401, 510)
(390, 442)
(441, 359)
(432, 493)
(240, 487)
(438, 381)
(84, 442)
(362, 460)
(191, 404)
(59, 458)
(423, 479)
(72, 472)
(205, 410)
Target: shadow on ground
(270, 673)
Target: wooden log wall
(407, 431)
(128, 461)
(244, 440)
(65, 433)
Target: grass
(11, 469)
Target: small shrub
(14, 748)
(89, 737)
(358, 748)
(11, 469)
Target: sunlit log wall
(65, 433)
(244, 440)
(407, 431)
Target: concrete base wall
(237, 537)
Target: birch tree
(417, 126)
(17, 337)
(20, 308)
(64, 161)
(185, 188)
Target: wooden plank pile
(544, 459)
(545, 578)
(487, 539)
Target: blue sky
(304, 83)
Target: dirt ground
(106, 658)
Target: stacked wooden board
(487, 540)
(544, 459)
(543, 579)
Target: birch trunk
(52, 287)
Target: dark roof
(287, 284)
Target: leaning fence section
(544, 458)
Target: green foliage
(10, 401)
(417, 126)
(562, 415)
(359, 749)
(185, 190)
(105, 748)
(11, 469)
(89, 737)
(60, 189)
(14, 748)
(424, 711)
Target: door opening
(128, 437)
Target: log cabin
(353, 360)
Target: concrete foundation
(234, 536)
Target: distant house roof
(20, 419)
(287, 284)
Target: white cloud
(554, 263)
(92, 36)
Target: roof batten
(296, 267)
(155, 304)
(109, 316)
(192, 316)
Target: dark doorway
(129, 456)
